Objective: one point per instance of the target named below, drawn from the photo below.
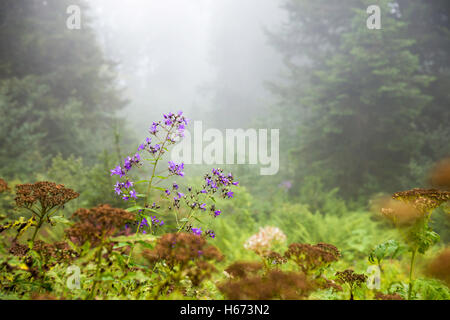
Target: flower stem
(411, 271)
(149, 188)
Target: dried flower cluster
(57, 251)
(423, 200)
(3, 185)
(47, 194)
(274, 285)
(413, 205)
(97, 224)
(262, 242)
(190, 254)
(352, 279)
(310, 258)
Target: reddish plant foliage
(275, 285)
(47, 194)
(97, 224)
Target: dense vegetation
(361, 199)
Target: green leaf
(141, 181)
(134, 208)
(134, 238)
(59, 219)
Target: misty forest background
(361, 112)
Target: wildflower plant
(352, 279)
(180, 256)
(188, 204)
(43, 200)
(411, 215)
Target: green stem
(187, 220)
(97, 273)
(38, 226)
(411, 271)
(149, 188)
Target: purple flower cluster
(155, 222)
(198, 231)
(176, 169)
(124, 188)
(127, 165)
(148, 146)
(218, 180)
(171, 121)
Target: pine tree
(70, 97)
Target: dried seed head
(351, 277)
(46, 194)
(312, 257)
(97, 224)
(191, 253)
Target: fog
(210, 58)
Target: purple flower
(118, 188)
(133, 194)
(155, 148)
(217, 213)
(230, 194)
(118, 171)
(176, 169)
(167, 192)
(128, 184)
(235, 183)
(153, 129)
(203, 206)
(175, 186)
(179, 196)
(197, 231)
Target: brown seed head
(46, 194)
(97, 224)
(312, 257)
